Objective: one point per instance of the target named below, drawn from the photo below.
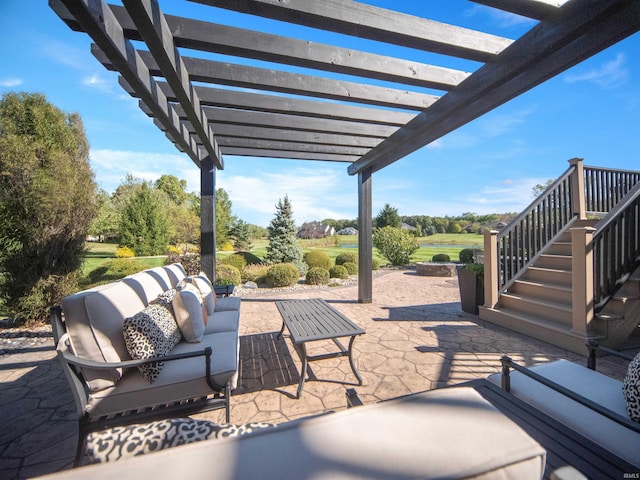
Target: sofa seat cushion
(119, 443)
(592, 385)
(447, 433)
(224, 321)
(179, 379)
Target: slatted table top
(314, 319)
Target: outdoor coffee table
(314, 319)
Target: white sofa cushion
(189, 311)
(590, 384)
(206, 290)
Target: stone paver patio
(417, 339)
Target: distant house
(347, 231)
(406, 226)
(315, 230)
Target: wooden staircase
(535, 297)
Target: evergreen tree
(47, 201)
(283, 245)
(241, 235)
(143, 225)
(224, 219)
(388, 217)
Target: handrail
(606, 187)
(616, 247)
(525, 237)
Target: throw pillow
(151, 333)
(631, 389)
(189, 311)
(206, 289)
(166, 299)
(132, 440)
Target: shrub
(441, 257)
(346, 257)
(466, 255)
(173, 250)
(375, 264)
(255, 273)
(317, 276)
(338, 272)
(189, 261)
(317, 258)
(249, 257)
(237, 261)
(227, 275)
(116, 269)
(34, 306)
(282, 275)
(395, 244)
(227, 247)
(352, 268)
(124, 252)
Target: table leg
(281, 330)
(353, 365)
(303, 371)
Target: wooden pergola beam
(289, 155)
(224, 39)
(154, 30)
(536, 9)
(549, 48)
(367, 21)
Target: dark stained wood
(293, 155)
(365, 230)
(538, 9)
(366, 21)
(208, 218)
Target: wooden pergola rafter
(388, 108)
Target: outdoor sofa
(588, 402)
(98, 330)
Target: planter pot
(223, 290)
(471, 290)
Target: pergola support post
(208, 217)
(365, 231)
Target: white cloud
(95, 81)
(10, 82)
(610, 74)
(496, 124)
(500, 18)
(65, 53)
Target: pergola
(368, 121)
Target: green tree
(47, 201)
(388, 217)
(283, 244)
(241, 235)
(175, 188)
(184, 227)
(395, 244)
(105, 225)
(541, 187)
(143, 225)
(224, 219)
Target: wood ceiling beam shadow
(260, 153)
(243, 76)
(536, 9)
(153, 27)
(548, 49)
(96, 20)
(240, 42)
(366, 21)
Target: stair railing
(519, 243)
(616, 246)
(606, 187)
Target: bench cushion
(590, 384)
(447, 433)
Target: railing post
(577, 188)
(582, 279)
(491, 268)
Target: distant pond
(423, 245)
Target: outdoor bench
(588, 402)
(109, 388)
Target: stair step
(559, 248)
(537, 327)
(548, 275)
(543, 291)
(557, 262)
(552, 311)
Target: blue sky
(490, 165)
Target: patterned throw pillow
(126, 442)
(166, 300)
(631, 389)
(151, 333)
(189, 312)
